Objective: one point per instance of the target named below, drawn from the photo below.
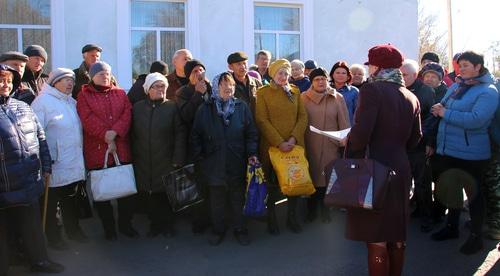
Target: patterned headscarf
(224, 108)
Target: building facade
(134, 33)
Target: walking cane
(45, 200)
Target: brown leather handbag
(357, 183)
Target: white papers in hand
(336, 135)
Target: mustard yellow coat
(278, 118)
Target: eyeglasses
(158, 86)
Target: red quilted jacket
(99, 112)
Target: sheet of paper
(336, 135)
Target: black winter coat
(221, 151)
(425, 96)
(158, 142)
(136, 92)
(23, 151)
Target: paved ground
(320, 250)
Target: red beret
(385, 56)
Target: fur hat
(320, 71)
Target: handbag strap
(115, 156)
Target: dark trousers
(125, 212)
(476, 202)
(26, 224)
(158, 209)
(315, 199)
(422, 177)
(64, 196)
(219, 195)
(201, 211)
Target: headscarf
(274, 69)
(224, 108)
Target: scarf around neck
(463, 86)
(224, 108)
(393, 75)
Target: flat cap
(90, 47)
(13, 55)
(236, 57)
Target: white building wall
(345, 30)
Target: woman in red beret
(387, 122)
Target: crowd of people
(415, 118)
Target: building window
(23, 23)
(277, 29)
(158, 30)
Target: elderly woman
(25, 156)
(387, 122)
(341, 78)
(299, 78)
(223, 140)
(463, 141)
(282, 120)
(326, 110)
(159, 144)
(56, 110)
(105, 113)
(358, 72)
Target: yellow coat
(278, 119)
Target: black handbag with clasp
(182, 188)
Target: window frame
(306, 25)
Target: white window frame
(56, 27)
(124, 36)
(306, 25)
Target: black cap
(310, 64)
(159, 66)
(90, 47)
(430, 56)
(320, 71)
(13, 55)
(236, 57)
(36, 51)
(190, 65)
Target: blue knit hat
(98, 67)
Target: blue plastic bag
(256, 195)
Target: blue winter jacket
(463, 131)
(350, 94)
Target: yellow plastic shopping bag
(292, 170)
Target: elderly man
(91, 54)
(34, 77)
(17, 61)
(309, 66)
(178, 78)
(419, 155)
(246, 86)
(432, 75)
(188, 99)
(262, 60)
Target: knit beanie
(320, 71)
(434, 68)
(58, 74)
(311, 64)
(159, 66)
(98, 67)
(430, 56)
(152, 78)
(190, 65)
(36, 51)
(277, 65)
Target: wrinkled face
(226, 89)
(102, 78)
(431, 79)
(468, 70)
(281, 77)
(91, 57)
(180, 60)
(408, 76)
(240, 69)
(65, 85)
(17, 65)
(358, 76)
(6, 85)
(158, 90)
(197, 74)
(319, 83)
(35, 63)
(262, 61)
(340, 76)
(297, 72)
